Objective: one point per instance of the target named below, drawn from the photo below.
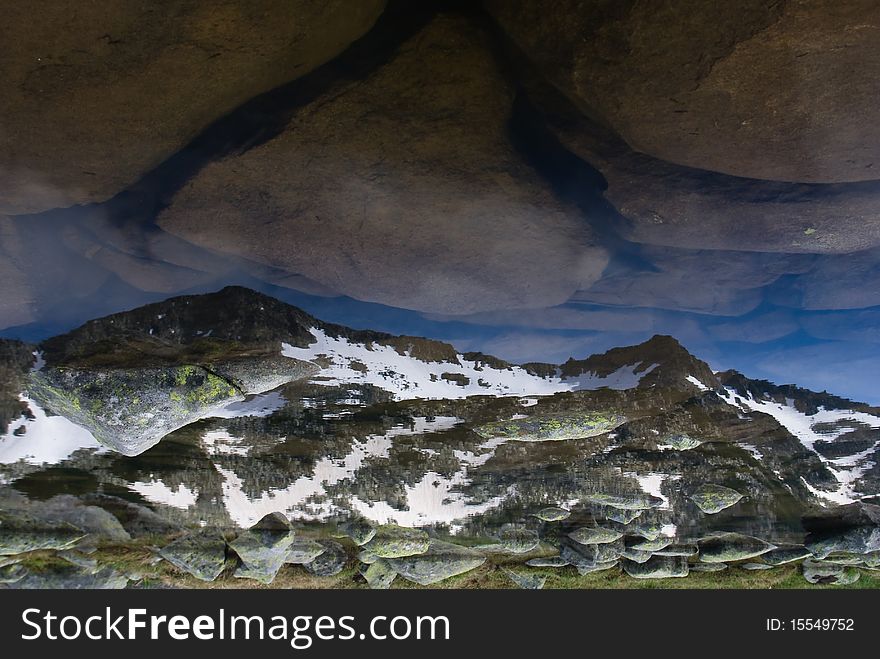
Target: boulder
(726, 547)
(264, 548)
(594, 535)
(392, 541)
(330, 562)
(202, 554)
(711, 498)
(442, 560)
(775, 91)
(657, 567)
(553, 427)
(393, 186)
(379, 575)
(99, 94)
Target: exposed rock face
(665, 204)
(775, 91)
(391, 189)
(96, 94)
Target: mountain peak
(659, 361)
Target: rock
(666, 205)
(201, 554)
(552, 514)
(79, 560)
(303, 551)
(421, 143)
(131, 410)
(839, 518)
(633, 501)
(586, 557)
(100, 525)
(526, 581)
(752, 89)
(726, 547)
(785, 554)
(137, 520)
(264, 548)
(648, 530)
(127, 86)
(857, 540)
(594, 535)
(361, 531)
(681, 442)
(707, 567)
(379, 575)
(392, 541)
(549, 561)
(622, 516)
(441, 561)
(553, 427)
(657, 567)
(330, 562)
(367, 557)
(21, 532)
(518, 540)
(656, 544)
(72, 578)
(678, 550)
(713, 499)
(820, 572)
(635, 555)
(756, 566)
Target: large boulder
(776, 91)
(98, 93)
(402, 188)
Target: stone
(656, 544)
(518, 540)
(751, 89)
(548, 561)
(657, 567)
(131, 410)
(391, 172)
(681, 442)
(72, 578)
(441, 561)
(525, 580)
(712, 499)
(361, 531)
(264, 548)
(707, 567)
(594, 535)
(392, 541)
(379, 575)
(303, 551)
(631, 501)
(726, 547)
(21, 532)
(119, 88)
(552, 514)
(756, 566)
(330, 562)
(675, 549)
(785, 554)
(857, 540)
(820, 572)
(555, 427)
(202, 554)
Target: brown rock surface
(401, 189)
(782, 91)
(97, 93)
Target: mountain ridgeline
(132, 378)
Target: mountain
(132, 378)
